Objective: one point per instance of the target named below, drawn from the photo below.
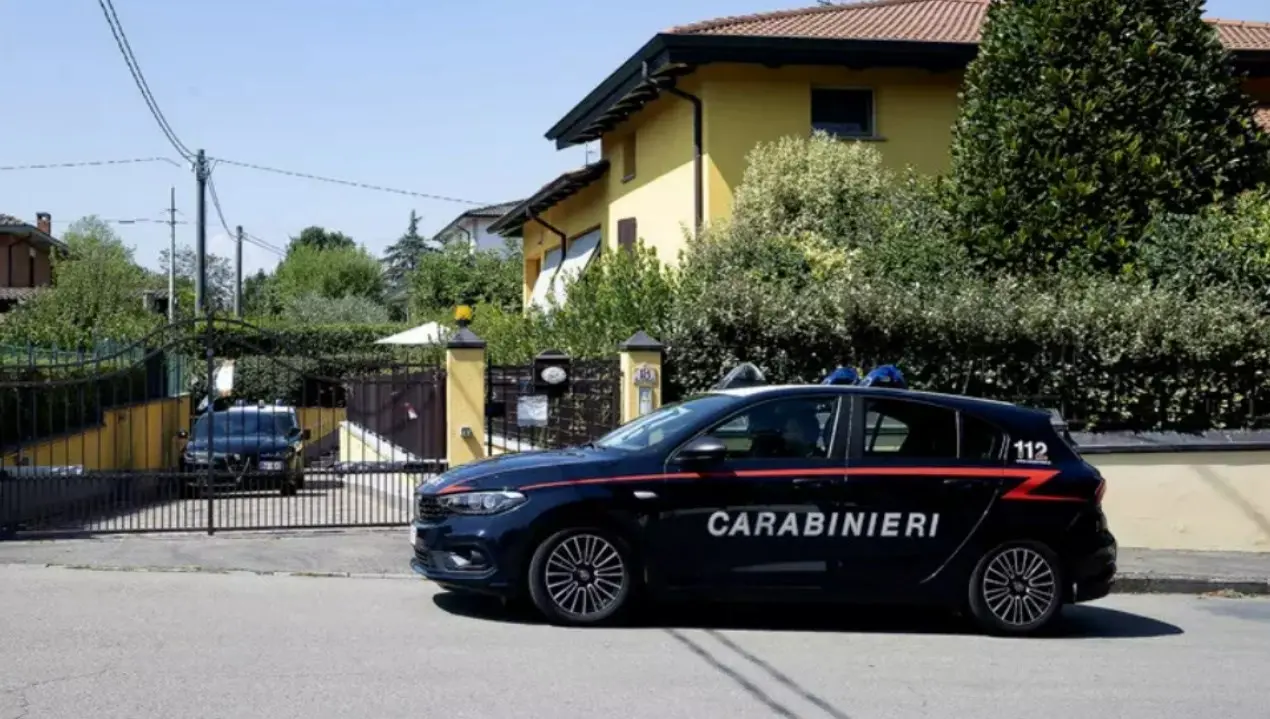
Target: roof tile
(947, 21)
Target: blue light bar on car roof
(843, 375)
(888, 375)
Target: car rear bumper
(1093, 573)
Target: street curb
(196, 569)
(1175, 584)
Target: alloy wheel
(1019, 586)
(584, 575)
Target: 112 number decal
(1025, 451)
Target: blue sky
(440, 97)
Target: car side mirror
(703, 450)
(306, 435)
(182, 434)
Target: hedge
(1110, 355)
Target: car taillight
(1098, 492)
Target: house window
(626, 234)
(843, 113)
(628, 157)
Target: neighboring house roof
(10, 225)
(936, 35)
(552, 193)
(487, 212)
(951, 21)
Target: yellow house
(676, 120)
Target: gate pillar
(641, 376)
(464, 397)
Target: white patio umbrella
(428, 333)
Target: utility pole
(238, 273)
(172, 257)
(200, 247)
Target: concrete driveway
(139, 645)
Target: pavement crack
(751, 688)
(24, 702)
(779, 676)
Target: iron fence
(198, 428)
(519, 417)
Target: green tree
(336, 272)
(402, 257)
(96, 294)
(1080, 116)
(260, 295)
(458, 275)
(220, 280)
(322, 239)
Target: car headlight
(481, 502)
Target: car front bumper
(470, 553)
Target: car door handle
(644, 494)
(962, 483)
(811, 482)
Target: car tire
(604, 574)
(1016, 589)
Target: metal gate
(216, 425)
(526, 412)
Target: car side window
(800, 428)
(980, 440)
(899, 428)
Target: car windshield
(244, 423)
(656, 427)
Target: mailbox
(552, 373)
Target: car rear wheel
(1016, 589)
(581, 577)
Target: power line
(220, 215)
(349, 183)
(125, 49)
(91, 163)
(128, 221)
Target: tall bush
(1079, 115)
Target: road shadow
(1077, 622)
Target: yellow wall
(143, 437)
(320, 421)
(1193, 501)
(138, 437)
(747, 104)
(659, 196)
(744, 105)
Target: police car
(849, 491)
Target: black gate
(526, 412)
(216, 425)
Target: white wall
(477, 228)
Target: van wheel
(1016, 589)
(582, 577)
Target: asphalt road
(325, 501)
(140, 645)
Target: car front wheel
(1016, 589)
(582, 577)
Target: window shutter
(626, 234)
